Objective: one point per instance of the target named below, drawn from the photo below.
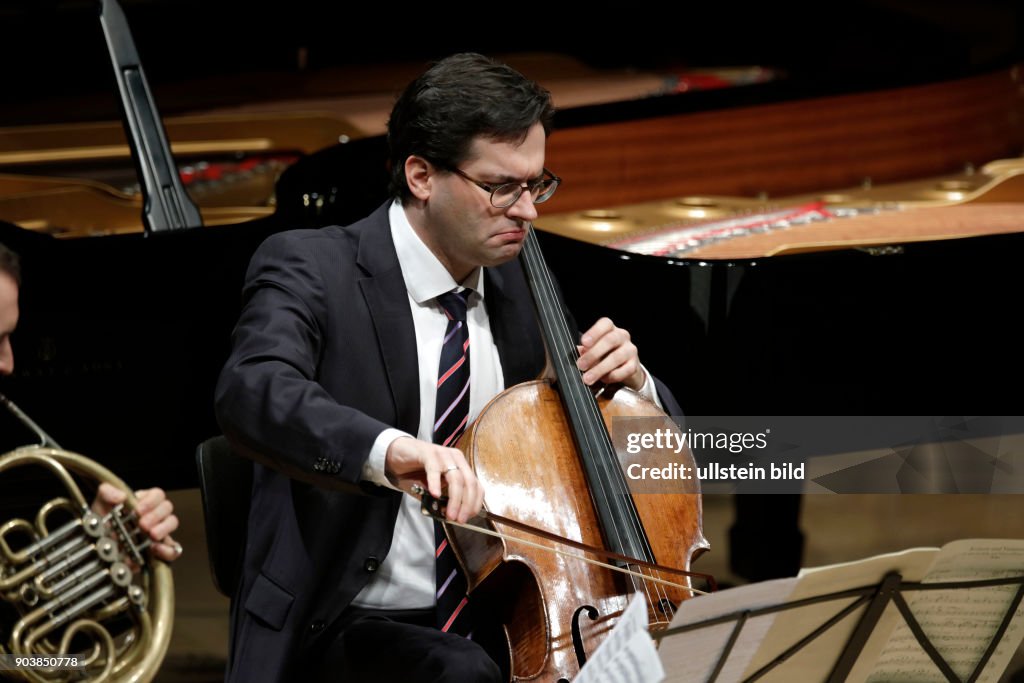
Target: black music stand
(877, 597)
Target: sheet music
(628, 654)
(960, 623)
(816, 660)
(692, 656)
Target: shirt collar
(425, 277)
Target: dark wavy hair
(461, 98)
(10, 264)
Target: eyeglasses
(507, 194)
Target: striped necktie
(450, 418)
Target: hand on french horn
(156, 517)
(440, 470)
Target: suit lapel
(513, 324)
(388, 302)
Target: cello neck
(620, 522)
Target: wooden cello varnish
(545, 459)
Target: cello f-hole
(577, 632)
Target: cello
(543, 451)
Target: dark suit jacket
(324, 359)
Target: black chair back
(225, 483)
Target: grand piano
(124, 329)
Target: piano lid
(123, 335)
(242, 99)
(984, 201)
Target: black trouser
(402, 646)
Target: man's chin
(504, 253)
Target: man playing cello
(360, 355)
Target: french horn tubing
(77, 583)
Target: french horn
(85, 599)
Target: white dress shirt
(405, 579)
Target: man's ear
(419, 174)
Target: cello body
(523, 451)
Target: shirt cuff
(373, 468)
(648, 390)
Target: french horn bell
(77, 586)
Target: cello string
(564, 353)
(561, 355)
(659, 599)
(613, 474)
(582, 401)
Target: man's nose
(523, 207)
